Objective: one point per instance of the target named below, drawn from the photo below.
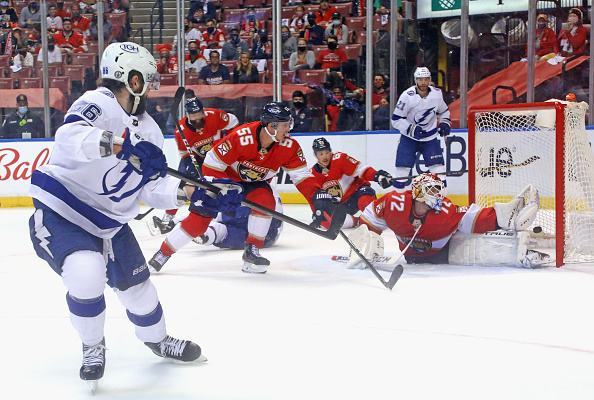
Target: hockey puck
(537, 229)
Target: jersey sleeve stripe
(74, 118)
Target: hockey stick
(396, 273)
(450, 173)
(173, 110)
(141, 216)
(338, 216)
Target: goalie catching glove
(520, 213)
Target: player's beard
(141, 105)
(197, 123)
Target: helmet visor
(154, 81)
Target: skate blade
(253, 268)
(93, 386)
(202, 358)
(153, 229)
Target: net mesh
(516, 147)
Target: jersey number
(400, 105)
(91, 112)
(397, 206)
(245, 140)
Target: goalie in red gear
(346, 180)
(425, 209)
(250, 154)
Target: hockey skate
(177, 349)
(253, 262)
(535, 259)
(158, 260)
(93, 364)
(160, 226)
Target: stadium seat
(344, 9)
(191, 79)
(263, 14)
(229, 64)
(353, 51)
(6, 83)
(233, 15)
(117, 19)
(265, 77)
(251, 3)
(312, 8)
(89, 60)
(53, 70)
(288, 12)
(288, 77)
(355, 23)
(93, 46)
(226, 26)
(24, 72)
(61, 82)
(169, 79)
(361, 37)
(249, 39)
(4, 60)
(313, 76)
(317, 49)
(377, 23)
(227, 4)
(75, 72)
(30, 83)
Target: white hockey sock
(178, 238)
(258, 225)
(144, 311)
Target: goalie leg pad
(520, 212)
(370, 244)
(496, 248)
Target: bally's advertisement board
(18, 160)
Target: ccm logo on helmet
(130, 48)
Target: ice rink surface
(308, 329)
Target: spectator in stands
(167, 63)
(381, 116)
(34, 39)
(8, 15)
(22, 124)
(207, 10)
(194, 61)
(572, 38)
(289, 42)
(298, 20)
(334, 99)
(79, 23)
(118, 6)
(302, 116)
(546, 40)
(314, 33)
(337, 28)
(250, 26)
(262, 48)
(54, 55)
(23, 58)
(109, 34)
(325, 12)
(69, 40)
(245, 71)
(61, 11)
(379, 88)
(88, 6)
(214, 37)
(215, 74)
(53, 19)
(234, 46)
(191, 33)
(11, 41)
(30, 15)
(302, 58)
(199, 17)
(332, 58)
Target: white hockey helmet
(422, 72)
(119, 59)
(429, 189)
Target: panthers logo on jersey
(419, 244)
(201, 147)
(333, 188)
(250, 172)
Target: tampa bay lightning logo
(422, 118)
(121, 179)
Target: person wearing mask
(79, 23)
(22, 124)
(332, 58)
(53, 19)
(215, 74)
(545, 41)
(61, 11)
(8, 15)
(11, 41)
(194, 61)
(23, 58)
(302, 58)
(381, 116)
(300, 113)
(262, 48)
(190, 33)
(214, 37)
(54, 55)
(108, 32)
(289, 42)
(234, 46)
(572, 38)
(250, 26)
(379, 90)
(245, 71)
(167, 63)
(337, 28)
(69, 40)
(314, 33)
(298, 20)
(30, 15)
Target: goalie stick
(338, 216)
(450, 173)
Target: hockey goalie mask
(429, 189)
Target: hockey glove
(228, 199)
(443, 129)
(383, 178)
(187, 168)
(415, 131)
(322, 202)
(145, 157)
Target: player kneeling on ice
(251, 154)
(431, 229)
(346, 180)
(89, 191)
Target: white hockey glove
(370, 244)
(518, 214)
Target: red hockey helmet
(429, 189)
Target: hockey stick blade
(331, 234)
(141, 216)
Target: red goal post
(544, 144)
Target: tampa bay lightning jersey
(99, 194)
(414, 109)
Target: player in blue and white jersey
(415, 116)
(106, 158)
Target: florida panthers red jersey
(344, 176)
(395, 211)
(240, 157)
(200, 141)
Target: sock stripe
(146, 320)
(85, 308)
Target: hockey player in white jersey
(88, 192)
(415, 116)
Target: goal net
(544, 144)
